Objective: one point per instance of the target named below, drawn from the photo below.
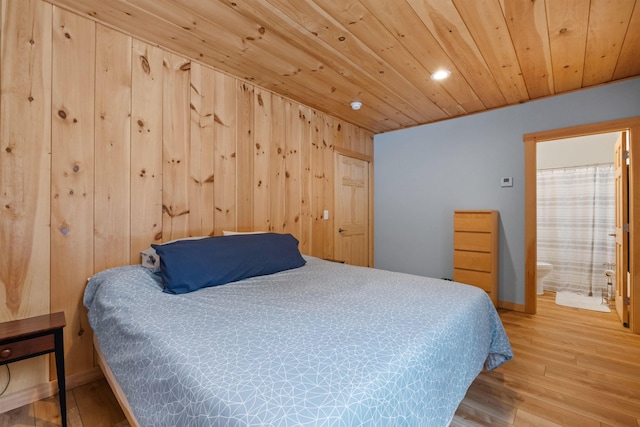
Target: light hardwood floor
(571, 368)
(91, 405)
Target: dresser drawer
(481, 279)
(16, 350)
(470, 241)
(469, 260)
(473, 221)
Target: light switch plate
(506, 181)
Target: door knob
(612, 234)
(340, 230)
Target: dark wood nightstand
(35, 336)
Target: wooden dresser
(475, 250)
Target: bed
(323, 344)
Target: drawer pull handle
(5, 354)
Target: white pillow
(151, 260)
(233, 233)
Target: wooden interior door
(622, 234)
(352, 210)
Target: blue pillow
(188, 265)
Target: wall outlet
(506, 181)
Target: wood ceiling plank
(629, 60)
(264, 33)
(446, 25)
(128, 18)
(407, 28)
(145, 26)
(608, 23)
(224, 26)
(568, 21)
(228, 32)
(365, 27)
(527, 23)
(305, 35)
(234, 43)
(486, 23)
(326, 53)
(354, 58)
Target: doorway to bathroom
(627, 232)
(575, 198)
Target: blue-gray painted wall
(423, 174)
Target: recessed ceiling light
(440, 74)
(356, 105)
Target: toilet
(543, 269)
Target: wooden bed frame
(115, 387)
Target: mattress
(325, 344)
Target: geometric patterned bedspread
(325, 344)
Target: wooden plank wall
(25, 172)
(109, 144)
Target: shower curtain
(576, 208)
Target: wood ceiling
(327, 53)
